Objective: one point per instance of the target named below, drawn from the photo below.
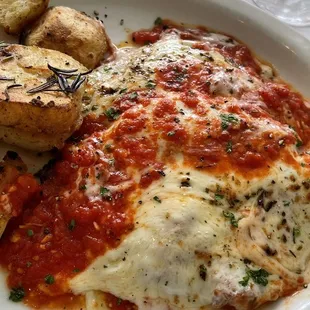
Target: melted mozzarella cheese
(161, 261)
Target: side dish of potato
(70, 32)
(37, 120)
(16, 14)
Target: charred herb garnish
(49, 279)
(158, 21)
(60, 78)
(17, 294)
(6, 92)
(203, 272)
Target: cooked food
(16, 14)
(16, 187)
(71, 32)
(186, 187)
(36, 120)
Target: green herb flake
(76, 270)
(30, 232)
(123, 90)
(296, 233)
(108, 147)
(203, 272)
(107, 69)
(245, 280)
(104, 191)
(158, 21)
(133, 95)
(29, 264)
(72, 225)
(258, 276)
(49, 279)
(229, 147)
(156, 198)
(17, 294)
(119, 301)
(299, 143)
(83, 187)
(228, 119)
(218, 197)
(231, 217)
(150, 84)
(171, 133)
(286, 203)
(111, 114)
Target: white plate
(271, 40)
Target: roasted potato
(37, 121)
(71, 32)
(16, 14)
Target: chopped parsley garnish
(49, 279)
(123, 90)
(29, 264)
(245, 280)
(171, 133)
(299, 143)
(72, 224)
(76, 270)
(296, 233)
(17, 294)
(286, 203)
(231, 217)
(119, 301)
(218, 197)
(156, 198)
(258, 276)
(150, 84)
(133, 95)
(229, 147)
(158, 21)
(111, 114)
(106, 69)
(105, 193)
(203, 272)
(30, 232)
(228, 119)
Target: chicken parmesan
(187, 186)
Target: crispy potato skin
(16, 14)
(71, 32)
(38, 121)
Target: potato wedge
(42, 120)
(71, 32)
(16, 14)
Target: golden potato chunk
(71, 32)
(16, 14)
(41, 120)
